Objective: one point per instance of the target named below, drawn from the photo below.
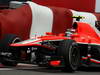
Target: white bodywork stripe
(89, 18)
(42, 19)
(30, 41)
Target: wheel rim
(74, 57)
(16, 40)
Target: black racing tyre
(8, 39)
(71, 55)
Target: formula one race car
(78, 46)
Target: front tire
(9, 60)
(71, 55)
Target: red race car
(80, 45)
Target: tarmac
(29, 69)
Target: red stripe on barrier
(1, 66)
(80, 5)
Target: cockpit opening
(97, 25)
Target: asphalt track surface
(28, 69)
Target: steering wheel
(78, 17)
